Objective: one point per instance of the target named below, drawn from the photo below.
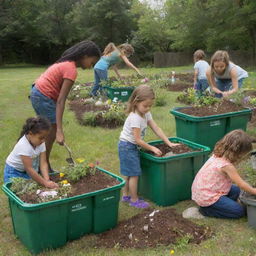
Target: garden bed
(179, 86)
(153, 228)
(172, 151)
(80, 107)
(86, 184)
(224, 106)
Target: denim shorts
(11, 172)
(43, 105)
(129, 159)
(202, 85)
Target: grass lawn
(231, 237)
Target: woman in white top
(224, 77)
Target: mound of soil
(187, 77)
(171, 151)
(165, 227)
(224, 106)
(252, 122)
(87, 184)
(178, 86)
(79, 107)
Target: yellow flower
(61, 174)
(80, 160)
(64, 182)
(171, 251)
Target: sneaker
(126, 199)
(139, 204)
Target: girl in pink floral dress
(212, 188)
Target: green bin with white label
(119, 93)
(52, 224)
(207, 130)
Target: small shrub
(76, 172)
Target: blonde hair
(233, 146)
(199, 55)
(141, 93)
(220, 56)
(125, 49)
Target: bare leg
(49, 142)
(133, 187)
(126, 186)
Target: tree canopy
(39, 31)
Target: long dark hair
(35, 125)
(79, 50)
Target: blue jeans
(226, 207)
(10, 172)
(43, 105)
(201, 86)
(99, 75)
(225, 85)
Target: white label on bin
(116, 93)
(78, 207)
(215, 123)
(108, 198)
(124, 93)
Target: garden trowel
(69, 159)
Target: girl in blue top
(112, 55)
(224, 76)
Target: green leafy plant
(76, 172)
(160, 99)
(21, 186)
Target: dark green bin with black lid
(167, 180)
(208, 130)
(52, 224)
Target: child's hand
(156, 151)
(173, 144)
(51, 184)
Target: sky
(154, 3)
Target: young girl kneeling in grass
(131, 137)
(212, 188)
(29, 154)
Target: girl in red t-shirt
(50, 90)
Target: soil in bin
(171, 151)
(166, 227)
(224, 106)
(86, 184)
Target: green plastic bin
(52, 224)
(121, 93)
(168, 180)
(208, 130)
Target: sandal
(139, 204)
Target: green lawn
(231, 237)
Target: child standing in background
(212, 188)
(224, 76)
(131, 137)
(29, 154)
(111, 56)
(200, 67)
(50, 91)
